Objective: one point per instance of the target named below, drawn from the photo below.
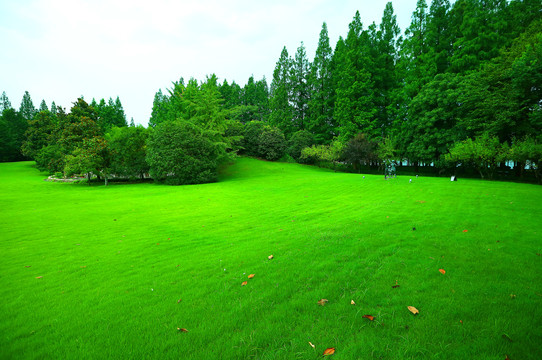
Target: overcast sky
(59, 50)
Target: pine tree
(159, 109)
(4, 102)
(354, 107)
(43, 106)
(300, 87)
(321, 122)
(280, 95)
(54, 109)
(27, 108)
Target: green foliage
(271, 143)
(50, 158)
(128, 150)
(251, 137)
(484, 154)
(234, 133)
(93, 156)
(360, 150)
(298, 141)
(322, 98)
(12, 128)
(38, 134)
(282, 112)
(181, 152)
(4, 102)
(321, 154)
(27, 109)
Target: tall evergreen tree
(354, 107)
(159, 109)
(27, 108)
(4, 102)
(321, 122)
(280, 106)
(300, 88)
(43, 106)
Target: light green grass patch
(115, 260)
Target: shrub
(300, 139)
(181, 152)
(272, 143)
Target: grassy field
(111, 272)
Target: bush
(272, 143)
(181, 152)
(251, 132)
(234, 135)
(50, 158)
(300, 139)
(128, 147)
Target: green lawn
(114, 261)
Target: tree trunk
(88, 178)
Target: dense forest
(459, 90)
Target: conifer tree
(300, 88)
(280, 95)
(4, 102)
(27, 108)
(321, 122)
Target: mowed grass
(115, 261)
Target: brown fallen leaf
(461, 321)
(244, 283)
(370, 317)
(442, 271)
(311, 345)
(322, 302)
(27, 266)
(39, 277)
(395, 286)
(178, 301)
(251, 276)
(352, 302)
(329, 351)
(506, 357)
(270, 257)
(413, 310)
(465, 230)
(182, 330)
(84, 266)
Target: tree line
(460, 89)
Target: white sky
(59, 50)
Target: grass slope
(115, 260)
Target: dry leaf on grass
(370, 317)
(39, 277)
(27, 266)
(322, 302)
(251, 276)
(178, 301)
(182, 330)
(465, 230)
(352, 302)
(413, 310)
(244, 283)
(442, 271)
(329, 351)
(311, 345)
(395, 286)
(270, 257)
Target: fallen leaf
(322, 302)
(157, 243)
(311, 345)
(352, 302)
(395, 286)
(182, 329)
(270, 257)
(442, 271)
(506, 357)
(329, 351)
(370, 317)
(244, 283)
(465, 230)
(251, 276)
(84, 266)
(27, 266)
(39, 277)
(413, 310)
(178, 301)
(461, 321)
